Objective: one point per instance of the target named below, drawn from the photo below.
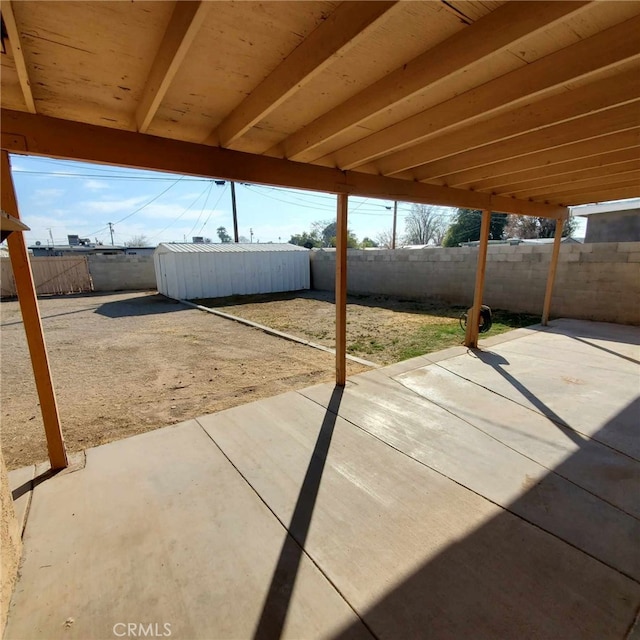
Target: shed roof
(523, 107)
(226, 247)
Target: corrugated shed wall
(183, 275)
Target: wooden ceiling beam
(558, 171)
(44, 136)
(560, 192)
(604, 50)
(592, 126)
(18, 54)
(494, 32)
(503, 169)
(184, 24)
(568, 106)
(531, 186)
(338, 33)
(604, 195)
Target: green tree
(368, 243)
(325, 232)
(223, 235)
(308, 240)
(466, 227)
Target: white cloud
(95, 185)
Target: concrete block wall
(122, 272)
(593, 281)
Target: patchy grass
(379, 328)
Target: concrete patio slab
(569, 391)
(161, 529)
(602, 471)
(436, 499)
(475, 459)
(382, 521)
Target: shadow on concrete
(472, 587)
(276, 605)
(610, 351)
(497, 362)
(625, 334)
(31, 484)
(140, 306)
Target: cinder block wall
(593, 282)
(122, 273)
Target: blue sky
(57, 198)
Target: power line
(204, 204)
(180, 216)
(213, 209)
(146, 204)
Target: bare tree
(385, 239)
(423, 224)
(526, 227)
(137, 241)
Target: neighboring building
(84, 247)
(612, 222)
(139, 251)
(39, 250)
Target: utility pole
(251, 234)
(111, 231)
(53, 244)
(235, 212)
(395, 219)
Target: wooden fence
(52, 275)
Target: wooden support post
(32, 324)
(471, 337)
(341, 291)
(552, 272)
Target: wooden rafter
(41, 135)
(555, 172)
(492, 33)
(592, 126)
(607, 49)
(603, 195)
(185, 22)
(564, 191)
(339, 32)
(18, 54)
(596, 173)
(500, 168)
(568, 106)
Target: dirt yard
(131, 362)
(379, 328)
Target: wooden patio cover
(516, 107)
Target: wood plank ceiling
(537, 101)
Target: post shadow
(496, 361)
(614, 353)
(276, 604)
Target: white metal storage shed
(187, 271)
